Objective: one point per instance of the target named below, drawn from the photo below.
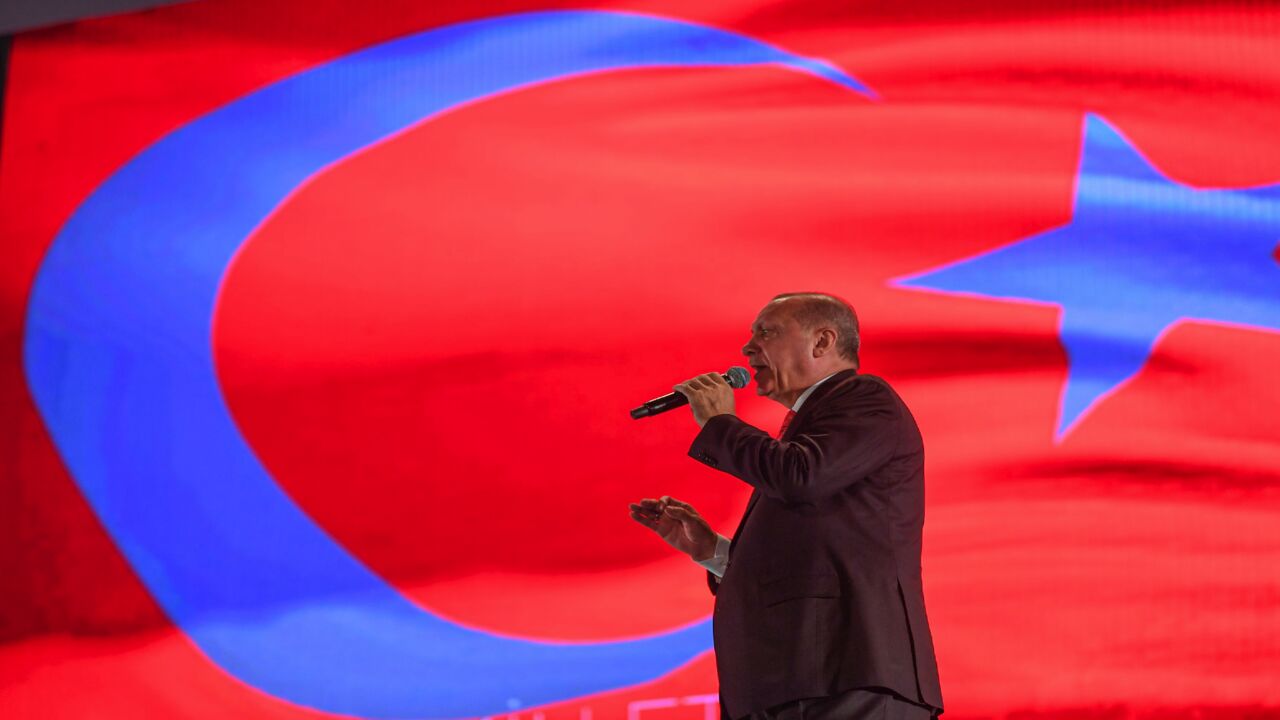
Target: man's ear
(825, 343)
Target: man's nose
(748, 349)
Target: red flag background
(554, 255)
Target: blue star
(1140, 253)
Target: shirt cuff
(718, 562)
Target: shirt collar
(808, 391)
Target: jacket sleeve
(854, 432)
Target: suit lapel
(793, 429)
(814, 400)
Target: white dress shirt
(720, 560)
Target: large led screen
(320, 322)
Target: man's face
(779, 353)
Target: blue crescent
(119, 359)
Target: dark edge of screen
(6, 42)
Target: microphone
(736, 376)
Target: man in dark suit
(819, 608)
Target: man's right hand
(677, 523)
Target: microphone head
(738, 377)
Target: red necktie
(786, 421)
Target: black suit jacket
(822, 593)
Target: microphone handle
(670, 401)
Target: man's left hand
(709, 395)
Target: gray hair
(814, 310)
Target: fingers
(646, 515)
(668, 500)
(647, 507)
(701, 382)
(675, 512)
(648, 521)
(649, 512)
